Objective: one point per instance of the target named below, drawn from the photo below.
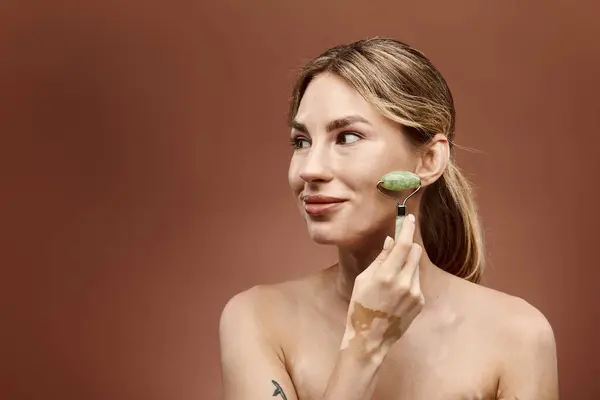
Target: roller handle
(399, 220)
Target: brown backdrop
(144, 159)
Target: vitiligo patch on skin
(376, 322)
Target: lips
(320, 204)
(320, 199)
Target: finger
(416, 287)
(416, 275)
(411, 266)
(388, 245)
(404, 242)
(416, 278)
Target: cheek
(362, 178)
(372, 207)
(364, 172)
(294, 179)
(375, 205)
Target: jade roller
(396, 181)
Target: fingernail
(388, 243)
(411, 218)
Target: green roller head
(400, 180)
(397, 181)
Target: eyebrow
(333, 125)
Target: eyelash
(295, 141)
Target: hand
(386, 297)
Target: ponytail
(450, 226)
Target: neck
(352, 262)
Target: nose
(316, 166)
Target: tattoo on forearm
(278, 390)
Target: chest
(427, 363)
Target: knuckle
(415, 293)
(381, 258)
(417, 248)
(405, 244)
(386, 279)
(404, 287)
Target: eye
(299, 143)
(348, 137)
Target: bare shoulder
(253, 305)
(262, 308)
(509, 315)
(522, 326)
(520, 339)
(524, 345)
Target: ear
(433, 159)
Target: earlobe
(434, 160)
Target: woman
(401, 319)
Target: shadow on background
(144, 174)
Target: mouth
(320, 204)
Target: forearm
(354, 376)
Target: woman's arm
(530, 370)
(252, 366)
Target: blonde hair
(404, 86)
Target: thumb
(387, 248)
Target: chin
(341, 235)
(321, 237)
(332, 236)
(325, 234)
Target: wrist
(359, 346)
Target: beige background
(144, 160)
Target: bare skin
(379, 324)
(470, 342)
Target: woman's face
(342, 147)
